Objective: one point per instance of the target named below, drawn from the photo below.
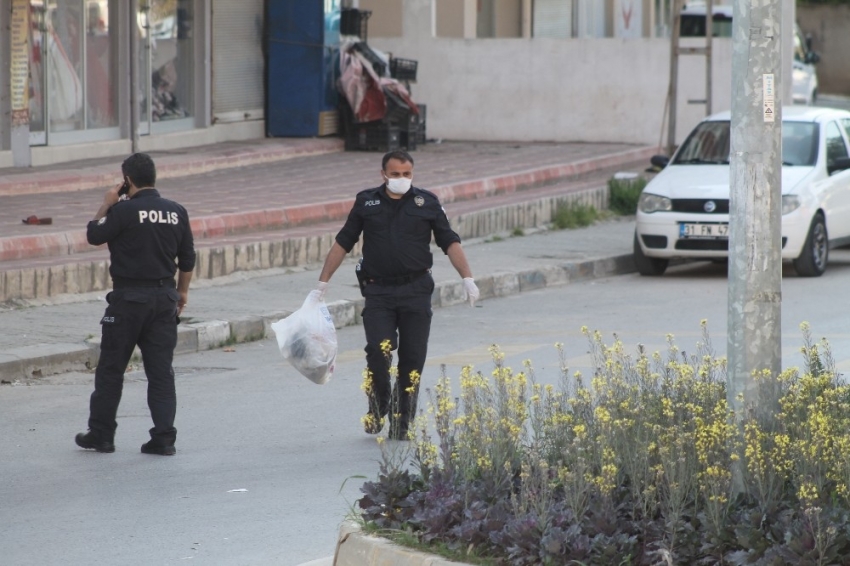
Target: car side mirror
(840, 164)
(659, 161)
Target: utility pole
(709, 36)
(672, 89)
(134, 71)
(755, 264)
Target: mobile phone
(125, 188)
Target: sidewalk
(282, 188)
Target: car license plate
(713, 231)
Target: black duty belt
(400, 280)
(122, 282)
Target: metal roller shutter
(237, 60)
(553, 18)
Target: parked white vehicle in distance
(683, 213)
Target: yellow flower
(366, 386)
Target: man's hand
(471, 290)
(183, 280)
(111, 196)
(109, 199)
(321, 288)
(182, 302)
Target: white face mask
(399, 186)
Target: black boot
(151, 447)
(91, 441)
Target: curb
(206, 227)
(37, 361)
(354, 548)
(104, 175)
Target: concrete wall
(830, 30)
(553, 89)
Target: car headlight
(649, 202)
(790, 203)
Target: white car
(804, 77)
(683, 213)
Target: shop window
(73, 58)
(166, 53)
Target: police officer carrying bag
(397, 222)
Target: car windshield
(709, 144)
(799, 143)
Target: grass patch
(574, 215)
(518, 232)
(624, 194)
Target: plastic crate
(408, 139)
(403, 69)
(354, 22)
(398, 112)
(412, 123)
(373, 136)
(421, 135)
(378, 64)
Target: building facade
(558, 70)
(96, 78)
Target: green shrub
(633, 465)
(574, 215)
(624, 194)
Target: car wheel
(812, 261)
(648, 265)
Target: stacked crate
(404, 70)
(400, 128)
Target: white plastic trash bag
(307, 338)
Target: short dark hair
(398, 154)
(141, 170)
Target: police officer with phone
(397, 221)
(149, 240)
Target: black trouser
(146, 316)
(402, 315)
